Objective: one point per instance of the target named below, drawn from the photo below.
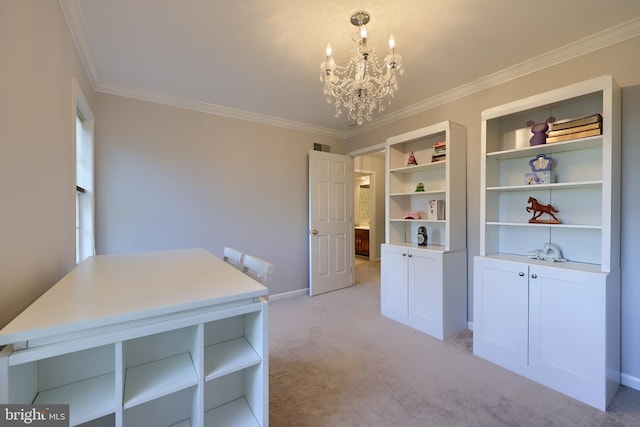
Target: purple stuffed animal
(539, 131)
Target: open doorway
(364, 211)
(369, 205)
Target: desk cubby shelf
(229, 356)
(93, 398)
(158, 378)
(236, 413)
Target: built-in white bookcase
(584, 185)
(555, 322)
(444, 180)
(425, 287)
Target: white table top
(108, 289)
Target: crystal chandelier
(363, 85)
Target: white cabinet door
(554, 325)
(425, 292)
(500, 327)
(425, 289)
(567, 327)
(394, 302)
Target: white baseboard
(630, 381)
(303, 291)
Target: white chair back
(233, 257)
(257, 268)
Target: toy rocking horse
(538, 209)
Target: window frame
(84, 167)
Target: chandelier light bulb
(364, 84)
(363, 32)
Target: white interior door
(330, 222)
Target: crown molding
(204, 107)
(75, 23)
(608, 37)
(73, 16)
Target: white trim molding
(573, 50)
(297, 292)
(73, 15)
(630, 381)
(204, 107)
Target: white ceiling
(260, 59)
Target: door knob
(314, 231)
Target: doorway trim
(373, 255)
(362, 152)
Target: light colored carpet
(335, 361)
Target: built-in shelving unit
(425, 287)
(584, 187)
(555, 322)
(444, 180)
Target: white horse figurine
(550, 252)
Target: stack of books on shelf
(439, 151)
(573, 129)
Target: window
(85, 196)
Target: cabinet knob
(521, 274)
(404, 254)
(534, 276)
(410, 255)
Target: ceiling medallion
(363, 85)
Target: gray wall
(37, 165)
(169, 178)
(630, 241)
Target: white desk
(154, 338)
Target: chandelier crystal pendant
(363, 85)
